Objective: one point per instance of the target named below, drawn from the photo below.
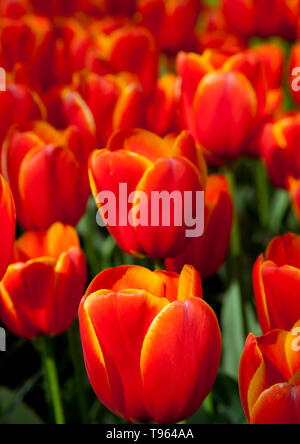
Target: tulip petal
(188, 330)
(120, 322)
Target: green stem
(208, 405)
(51, 377)
(77, 361)
(262, 193)
(236, 249)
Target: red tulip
(18, 105)
(7, 225)
(27, 48)
(269, 377)
(264, 18)
(41, 291)
(47, 171)
(172, 22)
(115, 101)
(143, 334)
(231, 98)
(277, 285)
(208, 253)
(145, 163)
(279, 149)
(129, 49)
(163, 108)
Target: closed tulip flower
(279, 150)
(26, 46)
(276, 284)
(208, 252)
(143, 334)
(231, 98)
(7, 225)
(163, 108)
(23, 105)
(47, 171)
(43, 285)
(172, 22)
(115, 101)
(145, 164)
(127, 49)
(269, 377)
(264, 18)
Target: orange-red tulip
(163, 108)
(26, 47)
(47, 172)
(7, 225)
(43, 285)
(115, 101)
(18, 105)
(172, 22)
(130, 49)
(277, 284)
(270, 377)
(264, 18)
(279, 145)
(143, 335)
(208, 252)
(225, 106)
(147, 163)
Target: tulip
(18, 105)
(172, 22)
(27, 48)
(125, 7)
(163, 108)
(269, 377)
(208, 253)
(43, 285)
(231, 98)
(7, 225)
(279, 149)
(276, 284)
(145, 163)
(144, 333)
(47, 171)
(115, 101)
(129, 49)
(264, 18)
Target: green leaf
(13, 411)
(232, 330)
